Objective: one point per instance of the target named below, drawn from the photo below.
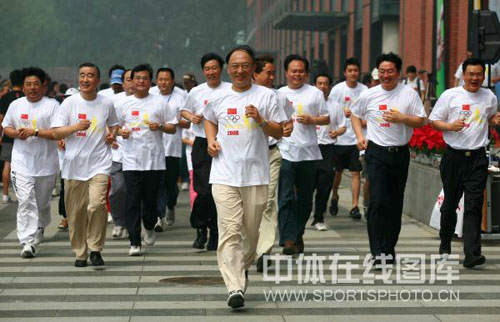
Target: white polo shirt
(337, 120)
(475, 108)
(173, 142)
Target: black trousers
(387, 172)
(142, 189)
(466, 174)
(204, 213)
(169, 191)
(324, 181)
(62, 207)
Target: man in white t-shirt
(168, 191)
(492, 69)
(264, 76)
(83, 120)
(144, 118)
(414, 82)
(346, 154)
(463, 114)
(238, 121)
(118, 190)
(115, 81)
(34, 158)
(328, 135)
(300, 152)
(204, 212)
(391, 110)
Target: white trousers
(239, 212)
(33, 210)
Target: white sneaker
(55, 193)
(160, 225)
(135, 251)
(6, 199)
(170, 217)
(184, 186)
(37, 240)
(236, 299)
(119, 232)
(110, 219)
(320, 226)
(28, 251)
(150, 237)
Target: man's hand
(61, 144)
(287, 129)
(252, 112)
(305, 119)
(153, 126)
(110, 138)
(213, 148)
(362, 144)
(458, 125)
(125, 133)
(347, 113)
(25, 133)
(197, 118)
(333, 134)
(114, 145)
(393, 116)
(83, 125)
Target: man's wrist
(263, 123)
(35, 133)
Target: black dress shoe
(213, 241)
(354, 213)
(445, 247)
(96, 259)
(334, 207)
(471, 261)
(81, 263)
(201, 239)
(260, 264)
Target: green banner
(440, 58)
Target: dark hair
(34, 71)
(142, 68)
(115, 67)
(411, 69)
(63, 88)
(366, 79)
(244, 48)
(323, 75)
(289, 59)
(390, 57)
(165, 69)
(261, 61)
(87, 64)
(351, 61)
(473, 61)
(211, 56)
(123, 75)
(16, 77)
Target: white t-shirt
(87, 153)
(173, 142)
(476, 108)
(117, 153)
(196, 101)
(374, 102)
(413, 84)
(108, 92)
(188, 134)
(243, 159)
(143, 150)
(285, 109)
(346, 96)
(302, 145)
(155, 90)
(337, 120)
(34, 156)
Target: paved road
(49, 288)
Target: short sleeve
(273, 113)
(458, 73)
(322, 108)
(112, 117)
(417, 108)
(208, 112)
(189, 103)
(8, 120)
(169, 114)
(441, 109)
(340, 118)
(62, 117)
(493, 106)
(359, 107)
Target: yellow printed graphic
(146, 118)
(246, 121)
(300, 109)
(93, 125)
(33, 122)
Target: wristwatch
(36, 132)
(263, 123)
(161, 126)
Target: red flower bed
(427, 140)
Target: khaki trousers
(239, 212)
(269, 221)
(87, 214)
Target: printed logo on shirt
(25, 122)
(469, 115)
(382, 109)
(205, 102)
(81, 116)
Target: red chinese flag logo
(82, 116)
(382, 107)
(205, 102)
(24, 116)
(232, 111)
(347, 98)
(135, 113)
(466, 107)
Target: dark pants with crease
(167, 197)
(204, 213)
(142, 189)
(463, 173)
(295, 194)
(324, 181)
(387, 172)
